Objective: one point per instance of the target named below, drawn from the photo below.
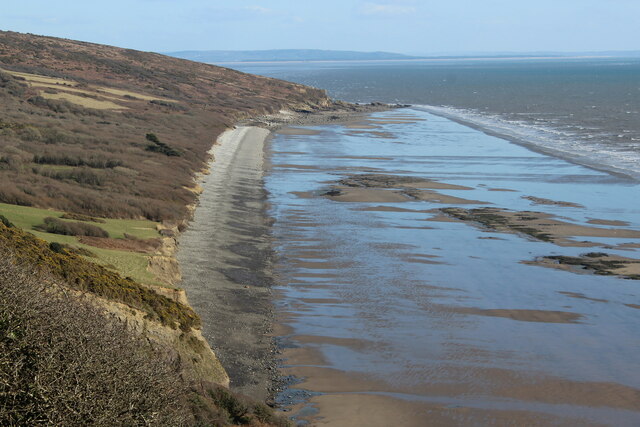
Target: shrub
(82, 175)
(6, 222)
(80, 217)
(57, 248)
(58, 226)
(160, 147)
(69, 160)
(30, 133)
(65, 362)
(239, 410)
(236, 408)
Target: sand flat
(443, 317)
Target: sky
(403, 26)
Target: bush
(80, 217)
(6, 222)
(58, 226)
(65, 362)
(241, 411)
(84, 176)
(160, 147)
(68, 160)
(57, 248)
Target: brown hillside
(113, 132)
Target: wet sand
(386, 320)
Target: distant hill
(284, 55)
(280, 55)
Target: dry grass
(35, 80)
(40, 79)
(84, 101)
(136, 95)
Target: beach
(372, 272)
(225, 256)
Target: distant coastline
(443, 59)
(320, 56)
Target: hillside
(278, 55)
(117, 133)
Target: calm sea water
(586, 110)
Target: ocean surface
(393, 315)
(586, 110)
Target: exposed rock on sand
(595, 262)
(381, 188)
(538, 225)
(542, 201)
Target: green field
(131, 264)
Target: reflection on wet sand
(523, 315)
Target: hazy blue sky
(407, 26)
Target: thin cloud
(377, 9)
(258, 9)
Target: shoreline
(225, 255)
(231, 290)
(573, 158)
(243, 276)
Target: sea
(585, 109)
(393, 314)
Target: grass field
(132, 264)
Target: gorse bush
(65, 362)
(58, 226)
